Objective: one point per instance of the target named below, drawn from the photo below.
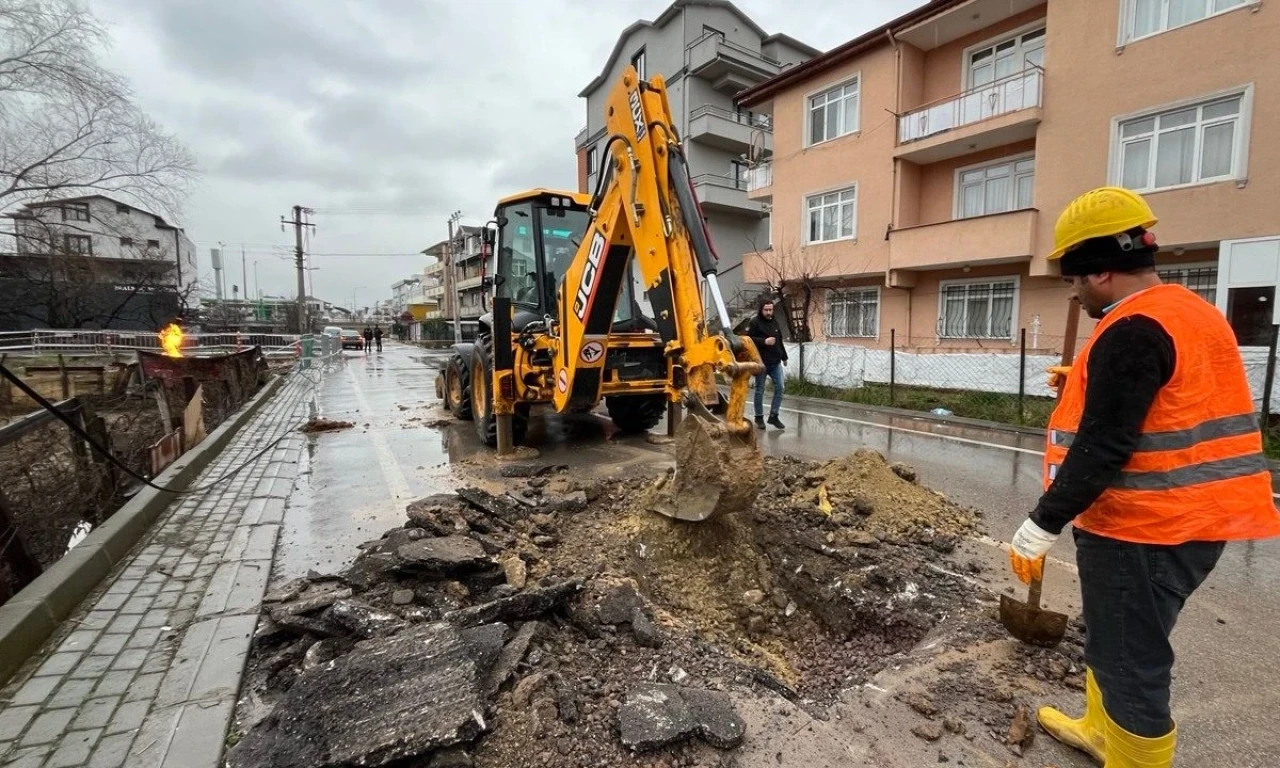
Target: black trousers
(1132, 596)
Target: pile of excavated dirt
(324, 425)
(576, 627)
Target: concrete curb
(34, 614)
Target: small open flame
(171, 340)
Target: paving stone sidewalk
(146, 673)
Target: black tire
(457, 388)
(636, 413)
(482, 398)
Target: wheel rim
(455, 389)
(480, 390)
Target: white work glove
(1027, 551)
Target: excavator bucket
(718, 464)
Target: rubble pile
(318, 424)
(563, 623)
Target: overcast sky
(383, 115)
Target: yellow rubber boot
(1125, 750)
(1088, 733)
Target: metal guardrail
(1010, 94)
(82, 342)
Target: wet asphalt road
(357, 482)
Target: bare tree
(795, 274)
(69, 126)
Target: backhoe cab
(600, 297)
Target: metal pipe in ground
(893, 366)
(1022, 376)
(1265, 410)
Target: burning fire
(171, 340)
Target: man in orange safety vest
(1154, 455)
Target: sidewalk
(147, 672)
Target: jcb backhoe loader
(568, 326)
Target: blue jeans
(770, 372)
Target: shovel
(1027, 621)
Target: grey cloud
(404, 109)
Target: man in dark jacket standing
(767, 335)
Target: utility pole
(300, 262)
(244, 272)
(452, 273)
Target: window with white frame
(833, 215)
(78, 244)
(834, 112)
(637, 61)
(1006, 58)
(1187, 145)
(977, 309)
(854, 312)
(1200, 280)
(1004, 185)
(591, 161)
(1148, 17)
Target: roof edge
(842, 53)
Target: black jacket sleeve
(1128, 365)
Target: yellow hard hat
(1098, 213)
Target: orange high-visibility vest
(1198, 472)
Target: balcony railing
(751, 119)
(724, 182)
(1010, 94)
(759, 177)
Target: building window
(833, 215)
(834, 113)
(153, 243)
(1149, 17)
(1187, 145)
(78, 244)
(1006, 58)
(121, 208)
(738, 172)
(978, 309)
(997, 187)
(853, 313)
(637, 61)
(711, 31)
(75, 212)
(127, 242)
(1203, 281)
(591, 161)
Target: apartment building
(467, 255)
(93, 261)
(919, 168)
(706, 51)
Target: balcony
(731, 131)
(993, 239)
(725, 194)
(470, 282)
(433, 292)
(729, 67)
(760, 182)
(987, 116)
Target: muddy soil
(837, 573)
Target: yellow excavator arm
(644, 206)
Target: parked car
(352, 340)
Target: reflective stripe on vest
(1194, 474)
(1178, 439)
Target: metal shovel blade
(1029, 622)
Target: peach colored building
(918, 169)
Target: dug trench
(562, 623)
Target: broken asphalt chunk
(445, 554)
(526, 605)
(389, 699)
(655, 715)
(364, 620)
